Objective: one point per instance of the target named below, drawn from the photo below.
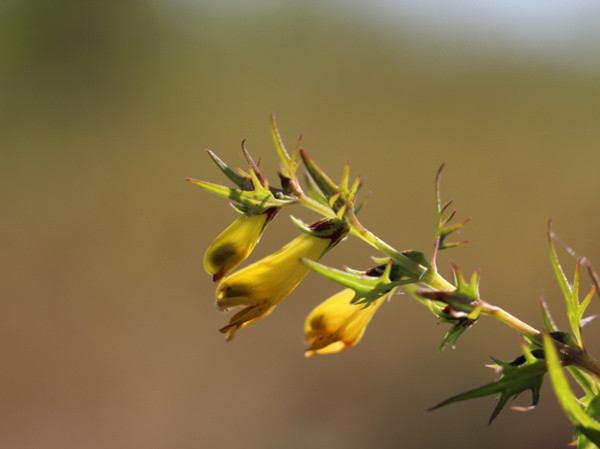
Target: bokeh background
(108, 333)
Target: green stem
(361, 232)
(508, 319)
(426, 276)
(571, 355)
(432, 279)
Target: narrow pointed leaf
(327, 187)
(257, 201)
(315, 192)
(560, 275)
(549, 324)
(593, 409)
(345, 178)
(582, 421)
(515, 379)
(241, 181)
(281, 151)
(367, 287)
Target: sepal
(328, 228)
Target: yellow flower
(261, 286)
(235, 244)
(336, 324)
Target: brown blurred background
(108, 334)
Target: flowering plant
(339, 322)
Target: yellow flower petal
(261, 286)
(234, 245)
(336, 324)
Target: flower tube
(259, 287)
(336, 324)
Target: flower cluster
(259, 287)
(255, 290)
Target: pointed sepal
(329, 228)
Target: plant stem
(426, 276)
(364, 234)
(571, 355)
(508, 319)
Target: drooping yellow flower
(261, 286)
(336, 324)
(235, 244)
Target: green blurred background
(108, 332)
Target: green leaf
(459, 326)
(314, 191)
(575, 310)
(326, 185)
(523, 373)
(462, 301)
(460, 308)
(339, 199)
(593, 410)
(584, 423)
(242, 182)
(289, 163)
(368, 286)
(560, 274)
(442, 225)
(258, 200)
(549, 324)
(587, 382)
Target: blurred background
(108, 333)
